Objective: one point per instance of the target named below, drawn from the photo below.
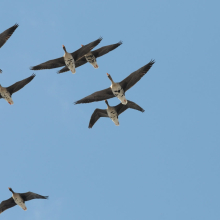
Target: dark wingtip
(152, 62)
(46, 197)
(90, 126)
(0, 71)
(33, 75)
(142, 110)
(120, 42)
(16, 25)
(31, 68)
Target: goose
(6, 92)
(19, 199)
(118, 89)
(4, 36)
(92, 56)
(68, 59)
(112, 112)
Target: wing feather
(30, 195)
(50, 64)
(134, 77)
(20, 84)
(120, 108)
(96, 115)
(97, 96)
(4, 36)
(78, 54)
(106, 49)
(6, 204)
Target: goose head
(110, 77)
(11, 189)
(64, 48)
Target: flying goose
(6, 92)
(118, 89)
(92, 56)
(19, 199)
(112, 112)
(4, 36)
(68, 59)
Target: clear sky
(160, 164)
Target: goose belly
(70, 63)
(119, 93)
(92, 60)
(19, 201)
(113, 115)
(6, 95)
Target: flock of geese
(69, 62)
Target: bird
(19, 199)
(118, 89)
(92, 56)
(4, 36)
(68, 59)
(6, 92)
(112, 112)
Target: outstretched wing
(77, 64)
(85, 49)
(60, 61)
(20, 84)
(103, 50)
(4, 36)
(50, 64)
(121, 108)
(134, 77)
(96, 115)
(30, 195)
(97, 53)
(97, 96)
(6, 204)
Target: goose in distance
(118, 89)
(112, 112)
(6, 92)
(19, 199)
(92, 56)
(69, 58)
(4, 36)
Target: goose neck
(11, 190)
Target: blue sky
(160, 164)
